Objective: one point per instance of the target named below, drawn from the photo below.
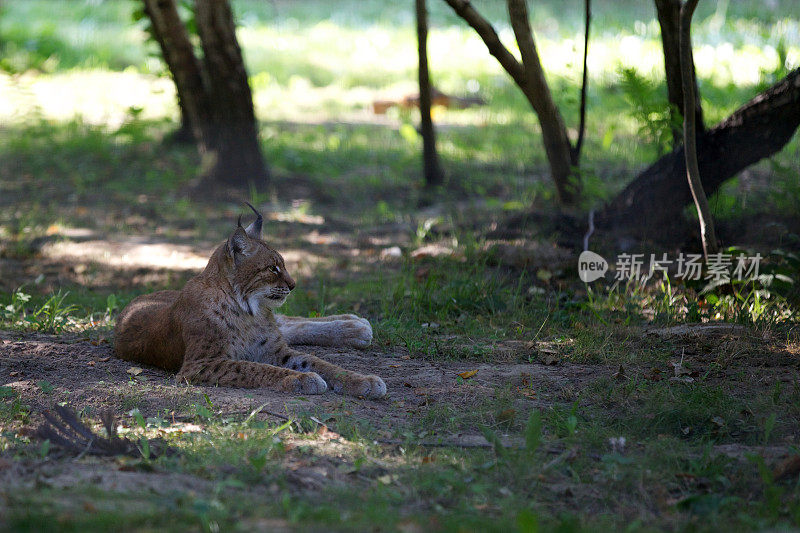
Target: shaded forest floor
(579, 410)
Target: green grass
(548, 479)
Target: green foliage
(53, 315)
(533, 432)
(650, 109)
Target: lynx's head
(259, 273)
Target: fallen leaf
(394, 366)
(679, 369)
(549, 358)
(507, 415)
(388, 479)
(14, 374)
(654, 374)
(104, 359)
(422, 273)
(528, 393)
(788, 468)
(428, 459)
(326, 434)
(134, 371)
(90, 363)
(468, 374)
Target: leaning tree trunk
(668, 12)
(178, 53)
(238, 158)
(430, 159)
(554, 132)
(164, 26)
(530, 78)
(759, 129)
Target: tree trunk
(238, 158)
(178, 53)
(430, 159)
(536, 90)
(213, 95)
(668, 12)
(762, 127)
(530, 78)
(707, 234)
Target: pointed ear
(254, 229)
(238, 247)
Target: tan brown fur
(220, 328)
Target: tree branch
(707, 233)
(490, 38)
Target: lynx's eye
(274, 269)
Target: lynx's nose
(289, 281)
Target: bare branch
(576, 155)
(707, 233)
(490, 38)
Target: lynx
(220, 328)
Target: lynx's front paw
(304, 383)
(356, 333)
(358, 385)
(372, 387)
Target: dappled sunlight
(140, 252)
(98, 97)
(296, 72)
(133, 252)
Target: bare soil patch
(86, 373)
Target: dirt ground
(86, 373)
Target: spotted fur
(220, 328)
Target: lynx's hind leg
(338, 330)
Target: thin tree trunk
(530, 78)
(576, 151)
(238, 158)
(431, 168)
(650, 204)
(668, 12)
(707, 234)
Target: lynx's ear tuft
(254, 229)
(238, 245)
